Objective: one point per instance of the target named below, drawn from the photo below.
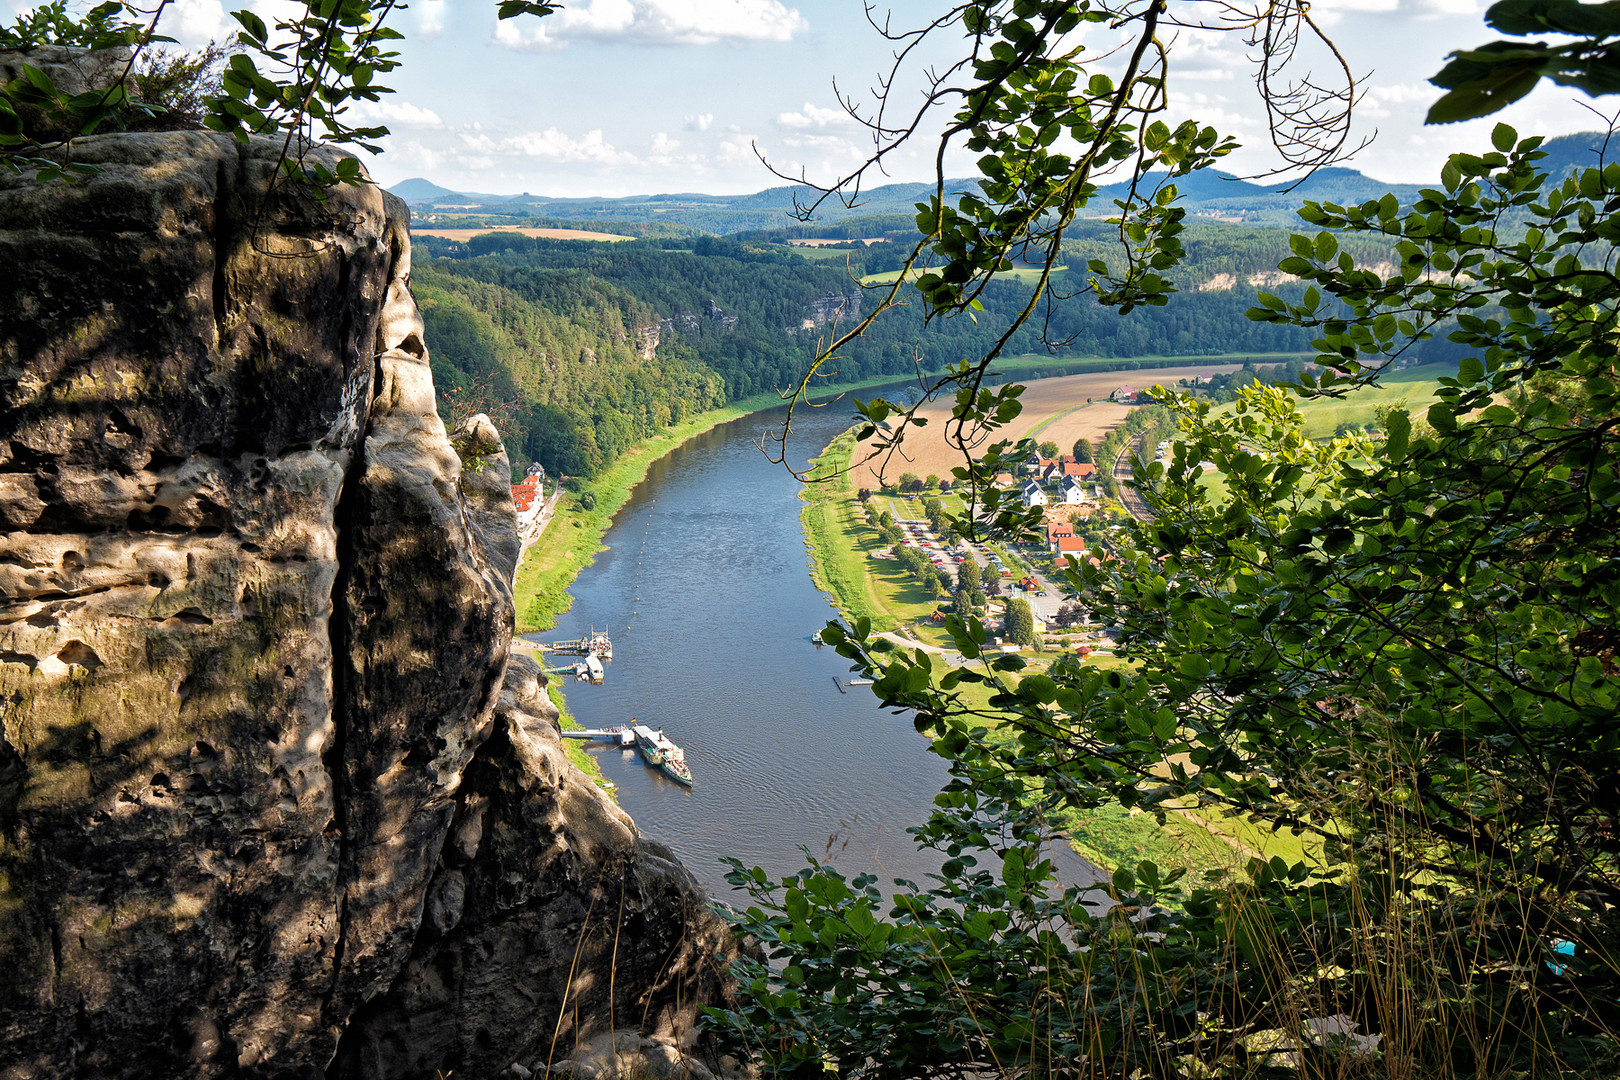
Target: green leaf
(1400, 430)
(1505, 84)
(1012, 869)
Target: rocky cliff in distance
(273, 801)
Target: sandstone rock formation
(273, 802)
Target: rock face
(271, 801)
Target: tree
(909, 482)
(932, 483)
(1082, 449)
(1068, 614)
(1404, 651)
(1019, 625)
(967, 574)
(1049, 449)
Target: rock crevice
(274, 801)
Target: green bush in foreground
(1403, 651)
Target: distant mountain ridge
(1208, 193)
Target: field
(1060, 409)
(1017, 273)
(543, 234)
(1413, 389)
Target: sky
(624, 97)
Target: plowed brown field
(544, 234)
(926, 452)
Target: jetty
(623, 736)
(597, 644)
(589, 670)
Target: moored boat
(674, 766)
(661, 753)
(647, 741)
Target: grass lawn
(1414, 388)
(841, 544)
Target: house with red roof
(1069, 545)
(528, 496)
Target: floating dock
(597, 644)
(623, 736)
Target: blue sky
(619, 97)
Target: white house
(1072, 491)
(1033, 495)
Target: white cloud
(394, 114)
(1447, 8)
(656, 22)
(812, 116)
(700, 122)
(1332, 12)
(429, 19)
(1396, 99)
(197, 22)
(423, 158)
(552, 145)
(738, 149)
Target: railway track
(1129, 497)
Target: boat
(661, 753)
(590, 670)
(647, 741)
(674, 766)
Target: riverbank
(574, 537)
(841, 543)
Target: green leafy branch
(37, 117)
(1481, 81)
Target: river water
(705, 589)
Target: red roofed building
(528, 496)
(1081, 470)
(1069, 545)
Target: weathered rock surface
(272, 800)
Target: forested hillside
(555, 362)
(580, 349)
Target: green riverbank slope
(841, 545)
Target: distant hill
(1580, 151)
(417, 189)
(1209, 193)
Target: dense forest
(580, 349)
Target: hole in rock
(72, 562)
(154, 517)
(78, 654)
(188, 617)
(203, 750)
(41, 619)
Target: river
(705, 589)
